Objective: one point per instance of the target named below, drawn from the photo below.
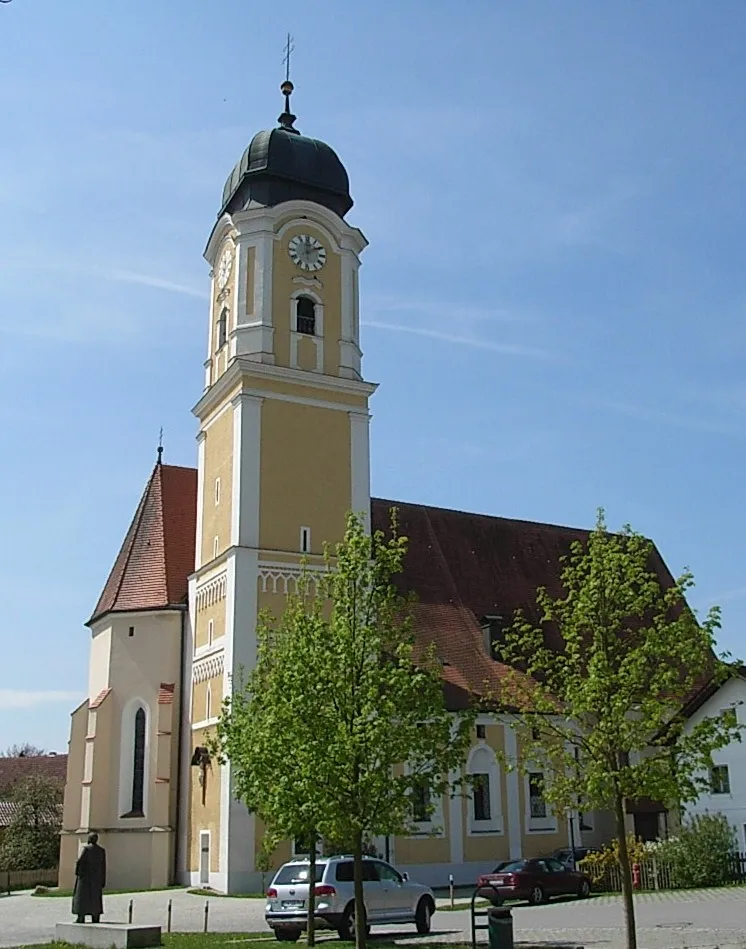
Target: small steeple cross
(289, 47)
(160, 445)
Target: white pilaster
(456, 820)
(512, 779)
(247, 430)
(200, 501)
(360, 464)
(183, 829)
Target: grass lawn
(231, 896)
(43, 891)
(249, 940)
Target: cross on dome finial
(287, 118)
(160, 446)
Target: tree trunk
(311, 903)
(359, 901)
(627, 899)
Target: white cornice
(242, 370)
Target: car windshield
(297, 873)
(512, 867)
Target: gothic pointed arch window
(305, 316)
(134, 760)
(138, 765)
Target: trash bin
(500, 928)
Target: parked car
(533, 880)
(390, 897)
(564, 855)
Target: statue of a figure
(90, 880)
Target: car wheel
(585, 890)
(423, 916)
(536, 895)
(346, 928)
(287, 935)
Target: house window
(138, 764)
(222, 327)
(305, 540)
(215, 547)
(421, 809)
(537, 804)
(481, 731)
(217, 491)
(481, 792)
(131, 631)
(210, 631)
(305, 316)
(720, 779)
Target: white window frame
(295, 336)
(217, 492)
(126, 759)
(435, 827)
(482, 760)
(210, 631)
(215, 547)
(208, 702)
(537, 825)
(721, 794)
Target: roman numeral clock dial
(306, 252)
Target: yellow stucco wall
(204, 816)
(214, 612)
(216, 518)
(298, 391)
(306, 474)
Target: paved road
(686, 920)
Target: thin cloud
(145, 280)
(23, 698)
(504, 349)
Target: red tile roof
(13, 770)
(48, 815)
(157, 555)
(166, 693)
(464, 567)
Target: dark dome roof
(282, 165)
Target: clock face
(224, 268)
(306, 252)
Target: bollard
(450, 887)
(207, 911)
(129, 911)
(168, 917)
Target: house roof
(151, 569)
(8, 810)
(14, 770)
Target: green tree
(276, 719)
(31, 841)
(354, 706)
(599, 716)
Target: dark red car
(533, 880)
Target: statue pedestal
(106, 935)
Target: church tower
(282, 444)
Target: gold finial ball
(286, 88)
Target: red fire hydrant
(636, 875)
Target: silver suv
(389, 897)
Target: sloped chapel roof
(157, 555)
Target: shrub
(701, 853)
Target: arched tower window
(305, 312)
(138, 764)
(222, 327)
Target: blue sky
(553, 298)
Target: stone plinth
(106, 935)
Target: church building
(282, 457)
